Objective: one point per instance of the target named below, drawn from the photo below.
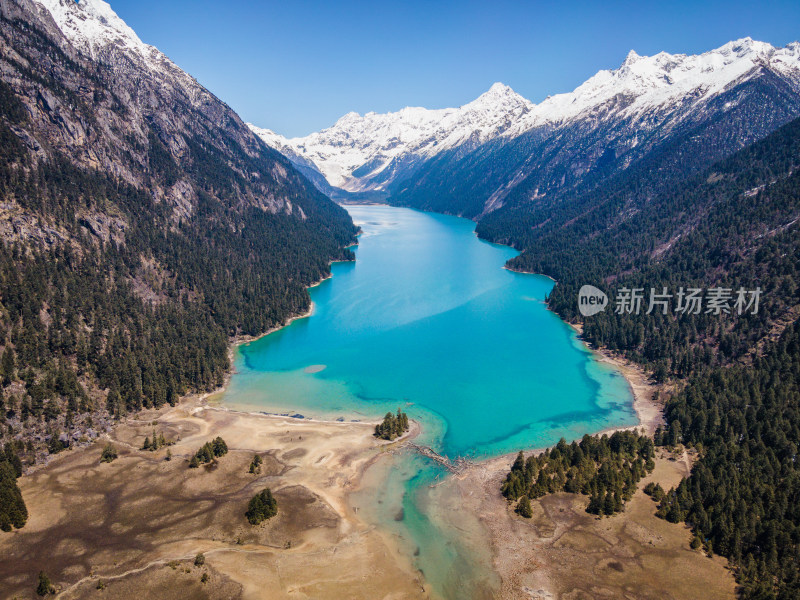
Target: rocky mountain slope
(132, 94)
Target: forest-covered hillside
(735, 225)
(143, 227)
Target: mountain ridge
(384, 153)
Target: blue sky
(296, 66)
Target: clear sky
(296, 66)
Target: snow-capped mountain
(391, 154)
(647, 83)
(91, 26)
(96, 31)
(354, 153)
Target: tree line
(605, 468)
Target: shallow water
(428, 320)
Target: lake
(428, 320)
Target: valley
(203, 322)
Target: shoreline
(648, 413)
(316, 546)
(239, 340)
(648, 410)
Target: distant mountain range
(502, 149)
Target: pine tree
(524, 508)
(392, 426)
(13, 512)
(109, 453)
(262, 506)
(8, 365)
(219, 447)
(114, 402)
(255, 464)
(609, 506)
(44, 587)
(13, 459)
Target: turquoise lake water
(428, 320)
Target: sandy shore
(136, 524)
(648, 408)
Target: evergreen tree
(393, 426)
(524, 508)
(13, 458)
(13, 512)
(44, 586)
(109, 453)
(219, 447)
(255, 464)
(605, 468)
(8, 365)
(209, 452)
(262, 506)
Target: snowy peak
(656, 81)
(96, 31)
(500, 92)
(499, 98)
(631, 58)
(744, 47)
(374, 141)
(92, 24)
(499, 89)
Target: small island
(393, 426)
